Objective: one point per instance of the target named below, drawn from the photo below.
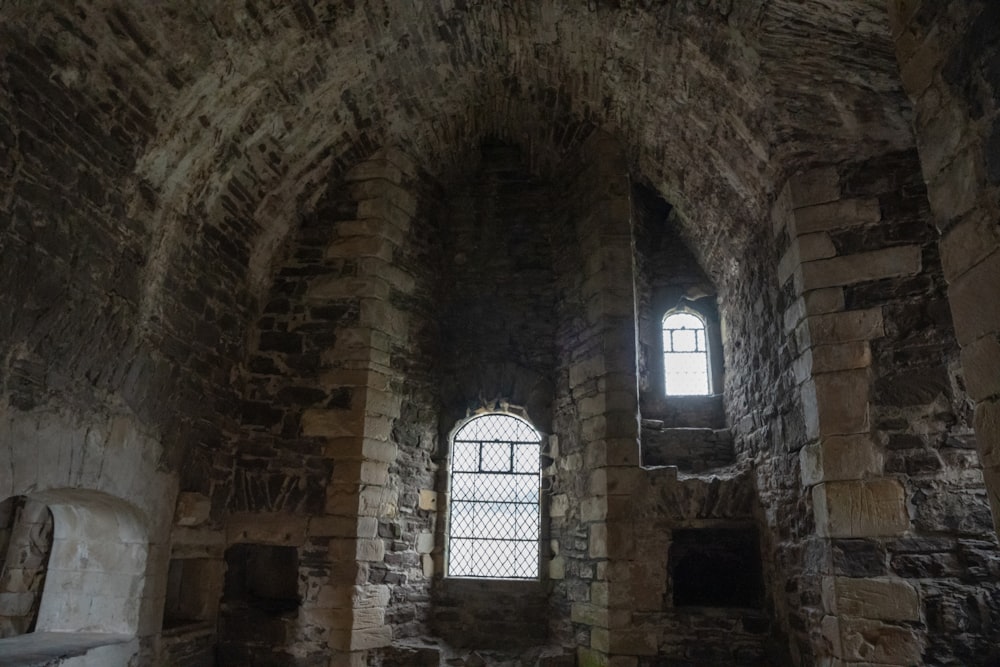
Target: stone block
(332, 423)
(872, 641)
(594, 509)
(425, 542)
(816, 186)
(597, 544)
(375, 168)
(917, 73)
(193, 509)
(355, 247)
(326, 288)
(987, 423)
(369, 638)
(839, 458)
(974, 303)
(636, 641)
(836, 403)
(428, 500)
(557, 568)
(815, 302)
(588, 657)
(835, 215)
(382, 208)
(842, 327)
(871, 508)
(559, 505)
(805, 248)
(956, 188)
(589, 614)
(967, 243)
(860, 267)
(382, 188)
(884, 599)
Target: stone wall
(947, 59)
(889, 459)
(497, 352)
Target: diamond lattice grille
(493, 530)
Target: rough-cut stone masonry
(233, 305)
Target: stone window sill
(43, 648)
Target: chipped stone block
(884, 599)
(428, 499)
(192, 509)
(872, 641)
(838, 458)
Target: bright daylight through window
(493, 528)
(685, 355)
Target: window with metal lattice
(685, 355)
(493, 526)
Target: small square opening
(716, 567)
(262, 577)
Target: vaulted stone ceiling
(253, 107)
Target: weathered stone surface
(876, 265)
(882, 599)
(835, 215)
(860, 508)
(838, 458)
(212, 267)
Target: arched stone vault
(714, 103)
(162, 157)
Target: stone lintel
(276, 528)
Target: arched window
(494, 517)
(685, 355)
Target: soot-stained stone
(912, 387)
(859, 558)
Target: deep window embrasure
(494, 509)
(685, 355)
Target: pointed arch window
(493, 527)
(685, 355)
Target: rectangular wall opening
(716, 567)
